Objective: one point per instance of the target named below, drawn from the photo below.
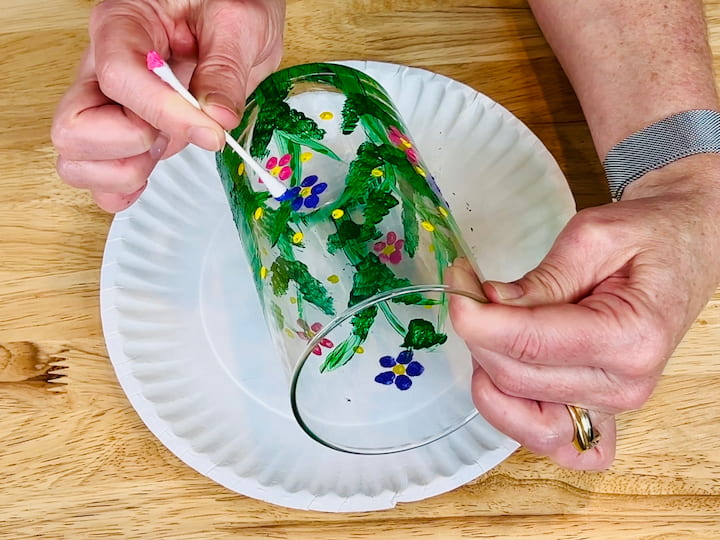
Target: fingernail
(462, 262)
(507, 291)
(206, 138)
(159, 146)
(217, 99)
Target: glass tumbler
(349, 263)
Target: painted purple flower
(391, 249)
(400, 370)
(402, 141)
(279, 166)
(308, 332)
(306, 194)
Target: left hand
(595, 323)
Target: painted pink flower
(279, 167)
(402, 141)
(309, 332)
(391, 249)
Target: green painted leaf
(311, 144)
(341, 354)
(279, 116)
(363, 320)
(349, 232)
(276, 222)
(359, 179)
(280, 278)
(360, 104)
(377, 206)
(372, 277)
(410, 228)
(284, 271)
(277, 315)
(350, 117)
(422, 335)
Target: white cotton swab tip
(157, 65)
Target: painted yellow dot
(264, 251)
(428, 306)
(290, 333)
(241, 168)
(377, 173)
(333, 278)
(326, 115)
(420, 171)
(443, 212)
(258, 213)
(306, 156)
(263, 272)
(359, 349)
(406, 143)
(338, 213)
(398, 369)
(429, 227)
(297, 237)
(293, 300)
(431, 248)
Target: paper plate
(185, 333)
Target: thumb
(232, 38)
(582, 256)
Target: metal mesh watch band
(677, 136)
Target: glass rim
(376, 299)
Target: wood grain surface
(77, 462)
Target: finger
(262, 70)
(87, 125)
(585, 253)
(602, 331)
(461, 275)
(543, 428)
(232, 38)
(587, 386)
(125, 175)
(116, 202)
(595, 459)
(120, 58)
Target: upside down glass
(349, 264)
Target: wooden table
(77, 462)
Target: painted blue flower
(401, 369)
(306, 193)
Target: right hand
(117, 120)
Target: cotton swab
(157, 65)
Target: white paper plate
(185, 333)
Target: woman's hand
(118, 119)
(595, 323)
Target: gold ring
(586, 436)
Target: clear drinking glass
(349, 264)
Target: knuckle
(591, 229)
(647, 355)
(111, 78)
(526, 345)
(129, 176)
(588, 234)
(97, 15)
(462, 318)
(61, 135)
(507, 381)
(544, 441)
(67, 171)
(634, 396)
(552, 276)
